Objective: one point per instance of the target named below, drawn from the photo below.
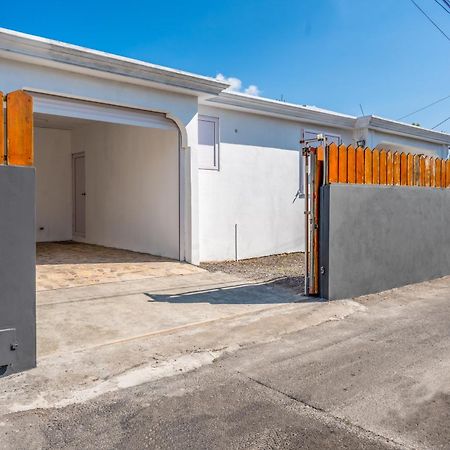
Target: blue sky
(333, 54)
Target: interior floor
(72, 264)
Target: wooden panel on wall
(397, 172)
(342, 164)
(410, 170)
(360, 165)
(351, 164)
(19, 128)
(2, 130)
(416, 168)
(333, 164)
(403, 169)
(383, 168)
(376, 166)
(447, 173)
(389, 168)
(367, 166)
(423, 171)
(432, 173)
(437, 171)
(427, 171)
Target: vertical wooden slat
(342, 176)
(376, 166)
(2, 130)
(447, 173)
(416, 168)
(423, 171)
(19, 127)
(333, 163)
(443, 174)
(403, 169)
(437, 171)
(383, 168)
(389, 168)
(351, 164)
(427, 172)
(360, 165)
(410, 169)
(432, 172)
(367, 166)
(396, 170)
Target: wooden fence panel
(396, 164)
(333, 163)
(367, 166)
(403, 169)
(437, 171)
(342, 164)
(360, 165)
(19, 128)
(376, 167)
(447, 173)
(443, 174)
(383, 168)
(410, 170)
(2, 130)
(432, 173)
(351, 164)
(423, 171)
(416, 164)
(427, 172)
(389, 168)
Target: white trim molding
(47, 52)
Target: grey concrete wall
(17, 269)
(375, 238)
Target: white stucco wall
(132, 184)
(53, 162)
(254, 188)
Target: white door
(79, 194)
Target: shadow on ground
(273, 292)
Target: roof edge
(32, 47)
(394, 127)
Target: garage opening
(106, 176)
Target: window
(208, 142)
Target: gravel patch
(286, 270)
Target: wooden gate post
(19, 129)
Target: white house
(137, 156)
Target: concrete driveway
(90, 296)
(367, 373)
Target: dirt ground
(285, 270)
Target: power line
(424, 107)
(447, 3)
(443, 6)
(429, 18)
(440, 123)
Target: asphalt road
(378, 379)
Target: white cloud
(236, 85)
(253, 90)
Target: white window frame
(215, 120)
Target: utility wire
(429, 18)
(424, 107)
(443, 6)
(447, 3)
(440, 123)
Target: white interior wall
(132, 187)
(53, 164)
(254, 188)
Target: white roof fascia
(276, 108)
(403, 129)
(53, 53)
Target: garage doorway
(113, 182)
